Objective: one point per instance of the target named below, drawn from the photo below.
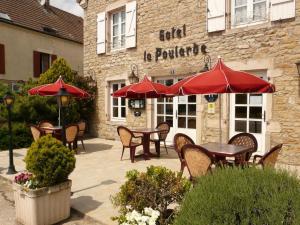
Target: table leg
(146, 146)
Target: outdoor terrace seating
(36, 132)
(129, 140)
(179, 141)
(244, 139)
(162, 135)
(198, 160)
(81, 131)
(71, 135)
(270, 158)
(45, 123)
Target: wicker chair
(270, 158)
(244, 139)
(179, 141)
(129, 141)
(71, 134)
(45, 123)
(197, 159)
(164, 129)
(81, 130)
(36, 132)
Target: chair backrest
(245, 139)
(198, 160)
(71, 132)
(164, 127)
(179, 141)
(36, 132)
(270, 158)
(45, 123)
(81, 128)
(125, 135)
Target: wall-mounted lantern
(298, 67)
(133, 76)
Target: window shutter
(53, 58)
(131, 24)
(2, 59)
(215, 15)
(36, 64)
(282, 9)
(101, 33)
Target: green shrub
(156, 188)
(243, 197)
(50, 161)
(21, 136)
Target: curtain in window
(259, 10)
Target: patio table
(146, 132)
(222, 150)
(56, 131)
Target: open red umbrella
(144, 89)
(221, 79)
(53, 88)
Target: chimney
(45, 2)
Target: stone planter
(42, 206)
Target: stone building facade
(262, 39)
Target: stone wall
(274, 47)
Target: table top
(222, 149)
(51, 128)
(146, 130)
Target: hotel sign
(177, 51)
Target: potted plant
(42, 195)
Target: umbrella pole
(220, 119)
(59, 116)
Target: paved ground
(7, 212)
(98, 175)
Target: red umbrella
(221, 79)
(53, 88)
(143, 89)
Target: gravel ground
(7, 210)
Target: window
(44, 62)
(249, 11)
(117, 105)
(2, 59)
(118, 23)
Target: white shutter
(101, 33)
(215, 15)
(282, 9)
(131, 24)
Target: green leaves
(247, 197)
(50, 161)
(156, 188)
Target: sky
(68, 5)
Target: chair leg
(132, 154)
(182, 167)
(122, 153)
(166, 147)
(82, 144)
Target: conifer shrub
(50, 161)
(242, 197)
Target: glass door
(179, 112)
(248, 114)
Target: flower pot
(42, 206)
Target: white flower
(125, 223)
(155, 214)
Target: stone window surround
(107, 97)
(112, 8)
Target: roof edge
(28, 28)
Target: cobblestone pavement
(7, 210)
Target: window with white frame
(248, 11)
(117, 105)
(118, 25)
